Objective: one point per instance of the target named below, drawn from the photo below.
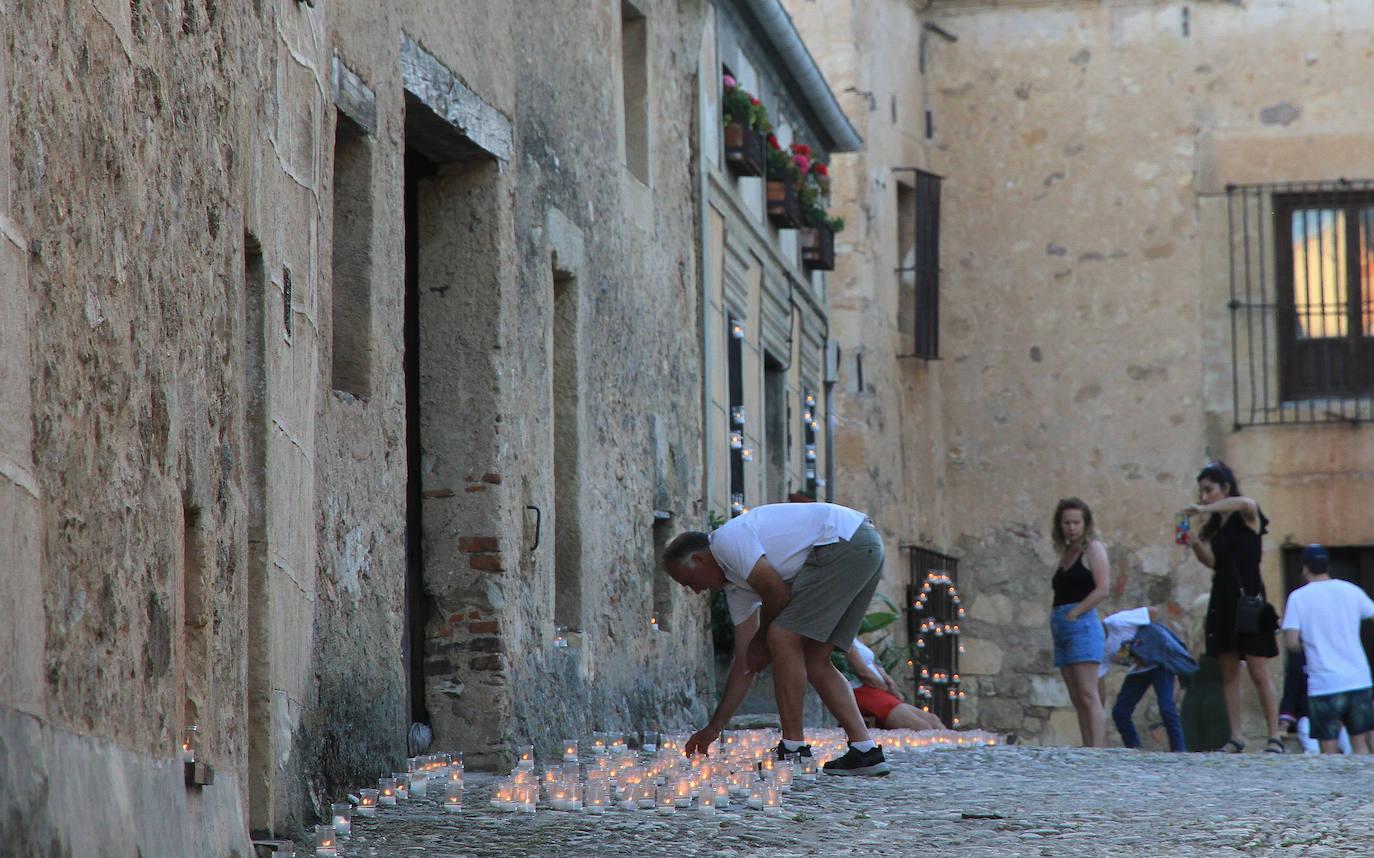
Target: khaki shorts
(831, 593)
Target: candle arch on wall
(935, 613)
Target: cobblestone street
(996, 801)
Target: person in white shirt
(798, 578)
(879, 696)
(1322, 619)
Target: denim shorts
(1079, 640)
(1354, 709)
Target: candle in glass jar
(418, 784)
(645, 793)
(386, 791)
(453, 796)
(682, 792)
(188, 744)
(525, 796)
(722, 790)
(755, 800)
(367, 802)
(597, 798)
(569, 750)
(772, 800)
(402, 785)
(706, 800)
(503, 795)
(342, 813)
(525, 757)
(326, 846)
(667, 800)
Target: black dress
(1237, 550)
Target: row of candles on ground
(441, 772)
(743, 768)
(707, 786)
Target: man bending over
(798, 578)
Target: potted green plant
(746, 123)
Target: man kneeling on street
(798, 578)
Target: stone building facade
(1107, 293)
(349, 350)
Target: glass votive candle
(682, 792)
(525, 797)
(402, 785)
(342, 814)
(782, 775)
(644, 794)
(418, 785)
(569, 750)
(596, 798)
(455, 771)
(386, 791)
(755, 800)
(524, 757)
(809, 768)
(721, 788)
(453, 796)
(599, 743)
(367, 802)
(666, 801)
(706, 800)
(503, 794)
(326, 844)
(189, 743)
(772, 800)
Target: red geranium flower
(821, 170)
(801, 149)
(754, 101)
(773, 142)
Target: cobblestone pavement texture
(1003, 801)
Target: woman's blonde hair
(1057, 530)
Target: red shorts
(878, 702)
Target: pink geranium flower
(729, 82)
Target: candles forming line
(604, 773)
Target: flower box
(744, 150)
(818, 248)
(784, 206)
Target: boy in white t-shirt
(1322, 619)
(798, 578)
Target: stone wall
(1086, 148)
(209, 508)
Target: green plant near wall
(892, 657)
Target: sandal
(1275, 746)
(1232, 747)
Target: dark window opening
(634, 69)
(418, 170)
(923, 204)
(810, 428)
(1302, 302)
(662, 584)
(775, 428)
(351, 259)
(734, 357)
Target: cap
(1316, 559)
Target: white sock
(790, 745)
(863, 747)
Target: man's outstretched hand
(700, 742)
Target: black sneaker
(856, 762)
(783, 753)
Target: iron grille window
(1302, 302)
(925, 267)
(934, 614)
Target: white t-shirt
(1121, 628)
(785, 533)
(866, 656)
(1327, 616)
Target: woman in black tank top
(1230, 545)
(1080, 583)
